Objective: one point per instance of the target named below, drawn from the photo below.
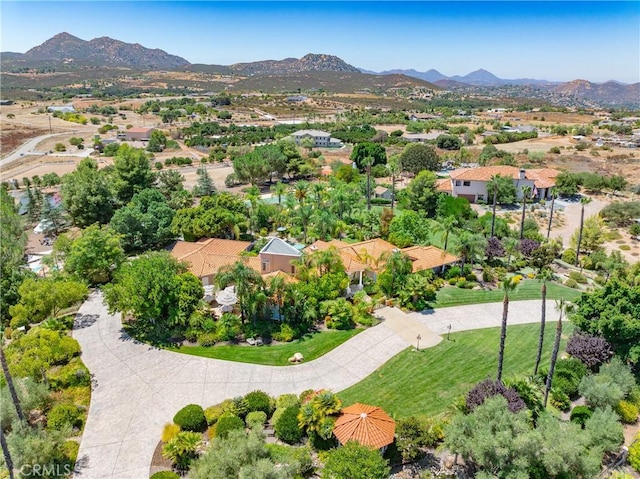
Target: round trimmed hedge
(256, 418)
(258, 401)
(580, 414)
(191, 418)
(226, 424)
(287, 428)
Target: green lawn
(311, 346)
(428, 381)
(528, 289)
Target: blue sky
(560, 41)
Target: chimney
(522, 173)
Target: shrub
(554, 150)
(567, 376)
(453, 272)
(489, 388)
(591, 350)
(488, 275)
(287, 428)
(634, 396)
(182, 449)
(158, 165)
(580, 414)
(69, 375)
(226, 424)
(191, 418)
(571, 283)
(165, 475)
(412, 434)
(634, 454)
(627, 411)
(299, 457)
(577, 277)
(258, 401)
(213, 413)
(569, 256)
(60, 147)
(286, 333)
(560, 400)
(62, 415)
(256, 418)
(207, 339)
(600, 280)
(286, 400)
(600, 392)
(355, 461)
(169, 432)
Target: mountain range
(65, 52)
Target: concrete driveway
(137, 389)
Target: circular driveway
(137, 388)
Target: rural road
(137, 389)
(26, 148)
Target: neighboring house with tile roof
(367, 258)
(368, 425)
(472, 183)
(206, 256)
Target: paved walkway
(138, 388)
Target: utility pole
(50, 129)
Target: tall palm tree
(279, 189)
(319, 189)
(277, 290)
(508, 284)
(561, 306)
(544, 275)
(394, 167)
(446, 226)
(368, 162)
(8, 462)
(526, 193)
(10, 384)
(585, 200)
(304, 214)
(553, 200)
(301, 191)
(398, 266)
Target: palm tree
(277, 290)
(585, 200)
(469, 246)
(561, 306)
(327, 261)
(526, 192)
(247, 281)
(510, 248)
(319, 190)
(279, 189)
(10, 384)
(553, 200)
(544, 275)
(508, 284)
(368, 162)
(304, 214)
(8, 462)
(447, 225)
(301, 191)
(394, 167)
(398, 266)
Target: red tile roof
(428, 257)
(367, 425)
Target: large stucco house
(472, 183)
(320, 139)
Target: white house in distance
(321, 139)
(471, 183)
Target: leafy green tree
(567, 184)
(53, 217)
(34, 448)
(87, 195)
(418, 157)
(12, 243)
(455, 206)
(132, 172)
(397, 267)
(612, 312)
(409, 229)
(274, 158)
(421, 193)
(368, 149)
(95, 255)
(204, 186)
(44, 297)
(145, 222)
(448, 142)
(222, 215)
(251, 168)
(149, 288)
(354, 461)
(157, 142)
(170, 182)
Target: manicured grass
(311, 347)
(427, 382)
(528, 289)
